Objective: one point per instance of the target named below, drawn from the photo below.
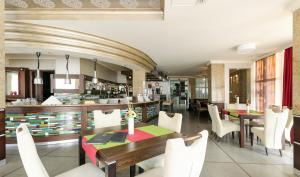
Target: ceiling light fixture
(67, 79)
(95, 79)
(246, 48)
(38, 80)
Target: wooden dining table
(127, 155)
(242, 115)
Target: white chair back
(107, 120)
(171, 123)
(185, 161)
(216, 117)
(236, 106)
(213, 124)
(275, 123)
(31, 161)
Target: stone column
(138, 81)
(296, 63)
(2, 57)
(192, 87)
(216, 83)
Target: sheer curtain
(265, 82)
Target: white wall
(87, 68)
(45, 64)
(74, 66)
(279, 77)
(121, 78)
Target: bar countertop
(81, 105)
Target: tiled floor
(223, 158)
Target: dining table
(242, 115)
(148, 141)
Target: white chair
(223, 127)
(236, 106)
(271, 133)
(181, 160)
(288, 127)
(102, 120)
(164, 121)
(33, 165)
(172, 123)
(213, 123)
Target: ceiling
(191, 35)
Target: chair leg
(251, 138)
(280, 152)
(266, 151)
(232, 135)
(246, 129)
(132, 171)
(141, 170)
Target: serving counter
(63, 122)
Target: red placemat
(137, 136)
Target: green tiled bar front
(44, 124)
(62, 122)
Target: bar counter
(64, 122)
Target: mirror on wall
(12, 83)
(240, 86)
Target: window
(202, 88)
(265, 82)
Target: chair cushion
(230, 125)
(86, 170)
(155, 172)
(259, 131)
(151, 163)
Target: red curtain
(287, 95)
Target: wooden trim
(20, 34)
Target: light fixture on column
(95, 79)
(67, 79)
(38, 80)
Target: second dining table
(242, 115)
(131, 152)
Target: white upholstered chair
(213, 122)
(164, 121)
(181, 160)
(289, 126)
(271, 133)
(33, 165)
(223, 127)
(107, 120)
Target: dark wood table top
(134, 152)
(243, 114)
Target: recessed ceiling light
(246, 48)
